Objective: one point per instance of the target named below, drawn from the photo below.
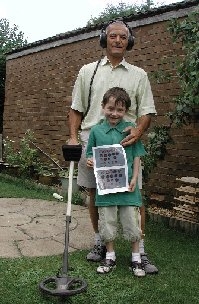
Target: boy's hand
(132, 185)
(89, 162)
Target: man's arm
(75, 118)
(143, 124)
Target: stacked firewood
(186, 201)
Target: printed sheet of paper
(110, 168)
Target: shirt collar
(119, 127)
(123, 63)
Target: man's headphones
(103, 36)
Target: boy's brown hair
(120, 95)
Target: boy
(115, 104)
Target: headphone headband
(103, 36)
(116, 21)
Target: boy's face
(114, 112)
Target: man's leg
(148, 266)
(93, 210)
(86, 179)
(99, 250)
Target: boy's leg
(136, 264)
(109, 263)
(108, 231)
(130, 220)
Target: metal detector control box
(72, 152)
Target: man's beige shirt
(133, 79)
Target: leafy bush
(156, 147)
(187, 31)
(77, 198)
(187, 102)
(26, 158)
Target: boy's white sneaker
(137, 269)
(106, 266)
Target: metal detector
(62, 285)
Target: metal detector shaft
(65, 254)
(68, 218)
(70, 187)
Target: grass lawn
(16, 187)
(175, 254)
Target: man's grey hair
(120, 22)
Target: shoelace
(138, 266)
(97, 249)
(145, 261)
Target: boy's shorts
(129, 218)
(86, 177)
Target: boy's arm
(89, 150)
(136, 166)
(91, 144)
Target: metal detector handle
(70, 187)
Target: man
(93, 81)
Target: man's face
(117, 39)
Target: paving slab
(33, 228)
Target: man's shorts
(86, 177)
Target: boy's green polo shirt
(104, 134)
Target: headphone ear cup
(130, 43)
(103, 40)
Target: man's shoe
(137, 269)
(148, 266)
(97, 254)
(106, 266)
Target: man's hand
(135, 134)
(89, 162)
(143, 124)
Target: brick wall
(181, 160)
(39, 84)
